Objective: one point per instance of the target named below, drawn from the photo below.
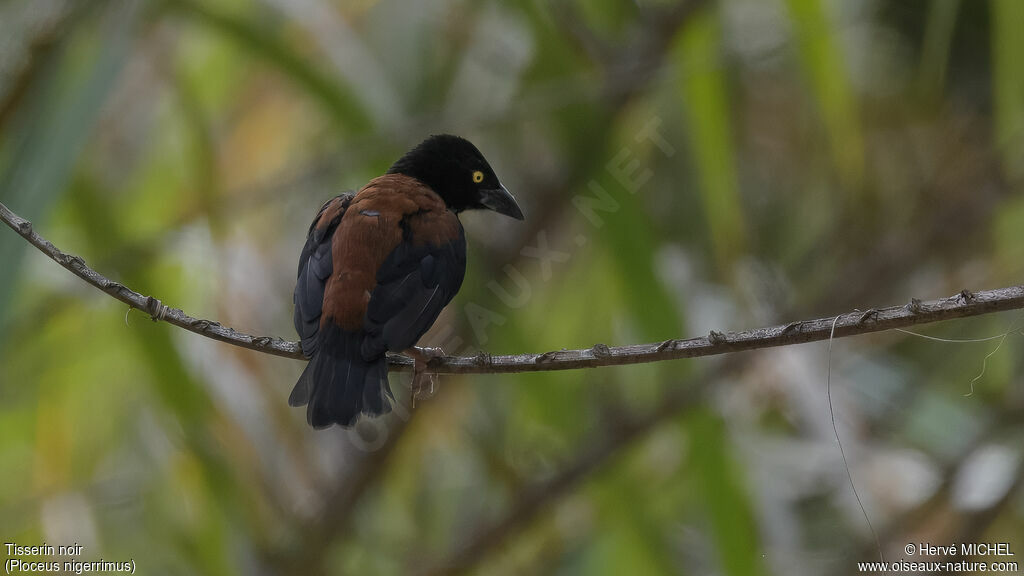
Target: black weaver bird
(376, 270)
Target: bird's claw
(420, 377)
(420, 388)
(428, 354)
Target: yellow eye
(478, 176)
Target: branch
(156, 309)
(852, 323)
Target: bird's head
(454, 169)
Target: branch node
(202, 324)
(965, 297)
(25, 227)
(157, 310)
(914, 306)
(72, 260)
(716, 337)
(262, 341)
(872, 313)
(670, 343)
(792, 326)
(600, 350)
(547, 356)
(482, 359)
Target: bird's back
(376, 271)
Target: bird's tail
(338, 384)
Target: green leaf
(938, 36)
(337, 99)
(1008, 83)
(705, 101)
(826, 72)
(720, 486)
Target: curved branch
(156, 309)
(852, 323)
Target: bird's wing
(416, 281)
(315, 268)
(400, 257)
(394, 260)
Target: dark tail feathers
(338, 384)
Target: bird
(377, 268)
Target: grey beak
(501, 201)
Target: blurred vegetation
(683, 167)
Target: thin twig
(852, 323)
(156, 309)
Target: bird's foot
(423, 382)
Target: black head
(459, 174)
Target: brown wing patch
(331, 210)
(367, 234)
(434, 227)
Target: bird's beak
(501, 201)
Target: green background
(683, 167)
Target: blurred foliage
(683, 166)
